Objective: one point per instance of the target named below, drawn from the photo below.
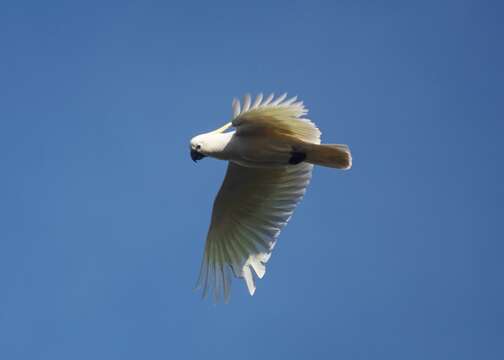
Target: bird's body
(251, 150)
(271, 155)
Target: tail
(331, 155)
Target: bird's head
(198, 145)
(212, 144)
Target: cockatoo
(270, 157)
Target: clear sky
(104, 215)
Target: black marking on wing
(297, 157)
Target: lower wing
(250, 210)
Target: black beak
(195, 156)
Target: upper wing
(272, 116)
(278, 116)
(251, 208)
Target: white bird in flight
(270, 157)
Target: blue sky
(104, 215)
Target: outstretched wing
(274, 116)
(250, 210)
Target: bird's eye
(198, 147)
